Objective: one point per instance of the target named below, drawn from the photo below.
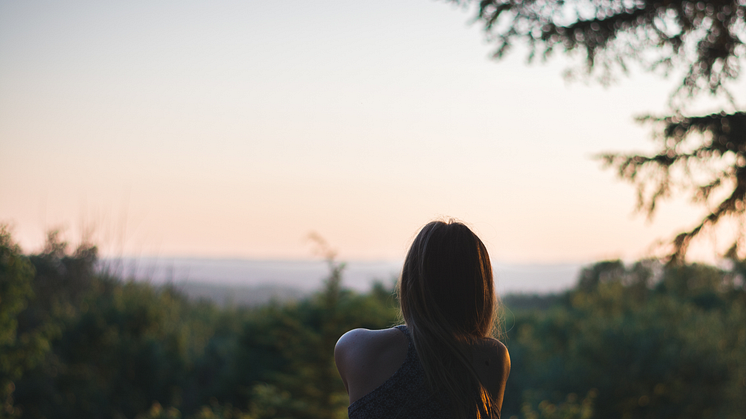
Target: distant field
(234, 295)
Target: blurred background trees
(645, 340)
(642, 340)
(19, 350)
(78, 342)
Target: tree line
(640, 340)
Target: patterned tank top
(404, 394)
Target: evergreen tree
(702, 42)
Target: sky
(237, 128)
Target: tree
(701, 156)
(670, 349)
(18, 351)
(286, 361)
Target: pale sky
(235, 128)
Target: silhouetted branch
(704, 38)
(721, 141)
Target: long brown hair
(448, 300)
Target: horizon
(308, 275)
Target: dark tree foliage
(643, 341)
(19, 351)
(706, 38)
(76, 342)
(701, 42)
(715, 163)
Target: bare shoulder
(491, 361)
(358, 342)
(366, 358)
(496, 348)
(495, 354)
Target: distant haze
(309, 275)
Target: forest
(641, 340)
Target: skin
(367, 358)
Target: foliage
(643, 340)
(569, 409)
(709, 154)
(647, 341)
(290, 347)
(702, 37)
(124, 349)
(703, 156)
(18, 351)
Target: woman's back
(446, 366)
(384, 378)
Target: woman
(443, 362)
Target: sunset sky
(236, 128)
